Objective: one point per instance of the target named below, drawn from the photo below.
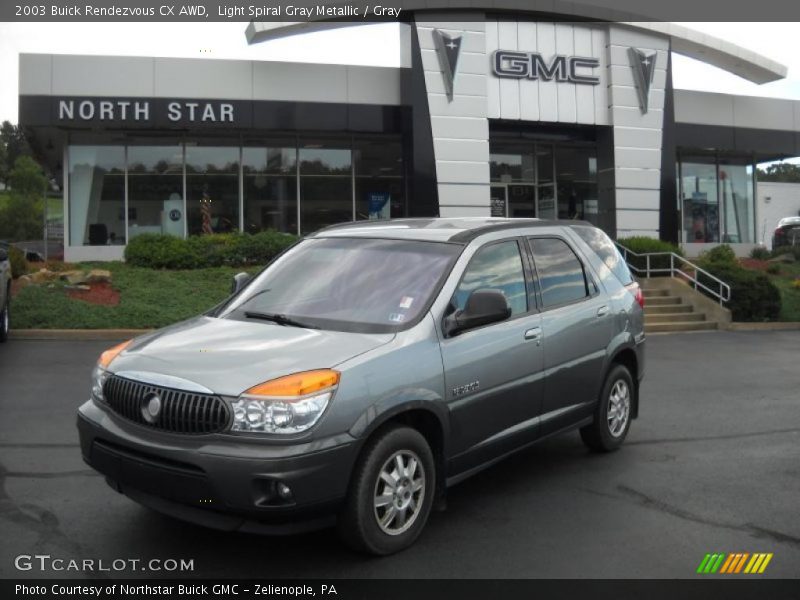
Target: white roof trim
(717, 52)
(688, 42)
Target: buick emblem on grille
(151, 407)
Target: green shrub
(793, 250)
(646, 245)
(718, 255)
(643, 245)
(774, 269)
(19, 266)
(225, 249)
(759, 253)
(158, 251)
(753, 296)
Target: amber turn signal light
(297, 384)
(110, 354)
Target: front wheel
(612, 417)
(390, 494)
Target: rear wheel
(612, 417)
(391, 493)
(5, 317)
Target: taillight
(636, 290)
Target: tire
(609, 429)
(371, 498)
(5, 317)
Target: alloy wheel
(619, 408)
(399, 492)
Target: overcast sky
(778, 41)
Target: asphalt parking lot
(711, 465)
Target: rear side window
(607, 251)
(560, 273)
(495, 267)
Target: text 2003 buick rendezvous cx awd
(365, 370)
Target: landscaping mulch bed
(754, 264)
(99, 293)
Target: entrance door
(521, 200)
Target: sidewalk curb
(75, 334)
(770, 326)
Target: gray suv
(367, 369)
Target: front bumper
(220, 481)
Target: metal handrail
(723, 294)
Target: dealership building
(507, 114)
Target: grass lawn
(148, 298)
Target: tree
(13, 144)
(21, 219)
(780, 172)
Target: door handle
(602, 311)
(533, 333)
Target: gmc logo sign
(531, 65)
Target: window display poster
(380, 205)
(498, 207)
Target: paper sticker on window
(397, 318)
(406, 302)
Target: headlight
(286, 405)
(99, 376)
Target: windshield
(347, 284)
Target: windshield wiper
(279, 319)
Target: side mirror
(483, 308)
(239, 281)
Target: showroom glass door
(545, 182)
(521, 200)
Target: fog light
(284, 491)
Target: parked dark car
(368, 368)
(787, 233)
(5, 294)
(30, 255)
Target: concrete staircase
(669, 307)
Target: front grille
(181, 411)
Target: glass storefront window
(96, 195)
(699, 200)
(155, 190)
(378, 167)
(192, 188)
(317, 159)
(736, 195)
(270, 189)
(212, 189)
(576, 179)
(510, 162)
(326, 184)
(544, 163)
(325, 201)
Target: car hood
(229, 356)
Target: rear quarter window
(607, 251)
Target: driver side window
(495, 267)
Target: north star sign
(139, 110)
(531, 65)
